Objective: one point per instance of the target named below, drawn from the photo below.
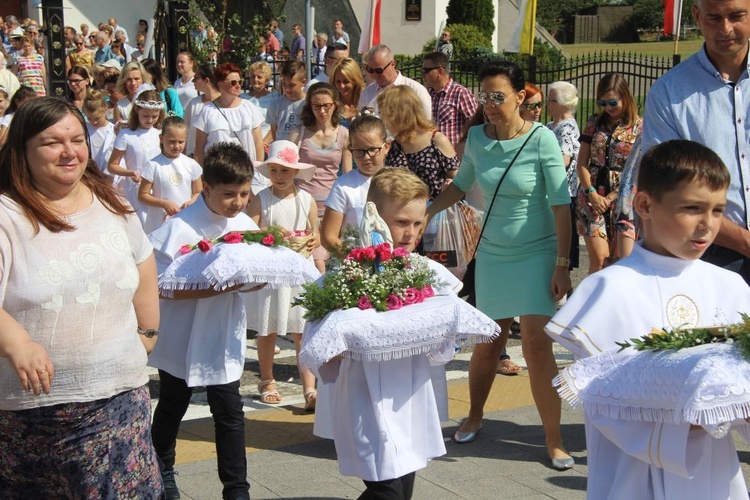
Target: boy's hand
(170, 207)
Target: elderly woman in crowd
(562, 100)
(78, 315)
(259, 74)
(522, 258)
(606, 142)
(80, 55)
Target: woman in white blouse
(78, 314)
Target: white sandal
(265, 394)
(311, 397)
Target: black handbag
(469, 292)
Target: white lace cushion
(379, 336)
(227, 265)
(707, 385)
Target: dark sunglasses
(531, 106)
(234, 83)
(608, 104)
(428, 70)
(377, 71)
(495, 98)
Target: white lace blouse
(73, 293)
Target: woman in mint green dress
(522, 259)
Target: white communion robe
(384, 416)
(200, 340)
(638, 459)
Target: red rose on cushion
(393, 302)
(412, 296)
(427, 292)
(384, 252)
(268, 240)
(185, 249)
(204, 245)
(234, 237)
(364, 303)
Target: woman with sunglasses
(522, 257)
(78, 83)
(531, 109)
(606, 142)
(80, 56)
(229, 118)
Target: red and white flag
(672, 16)
(370, 36)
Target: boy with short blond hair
(681, 197)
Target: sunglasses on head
(531, 106)
(495, 98)
(611, 103)
(377, 71)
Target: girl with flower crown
(270, 312)
(137, 144)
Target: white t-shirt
(172, 179)
(263, 104)
(369, 96)
(348, 196)
(102, 141)
(124, 107)
(73, 293)
(285, 114)
(6, 120)
(185, 91)
(192, 110)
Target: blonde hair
(261, 68)
(129, 68)
(396, 185)
(401, 107)
(94, 101)
(350, 70)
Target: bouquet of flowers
(374, 277)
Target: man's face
(446, 37)
(382, 69)
(338, 25)
(725, 25)
(332, 56)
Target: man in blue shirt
(298, 43)
(706, 99)
(104, 50)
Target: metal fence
(582, 71)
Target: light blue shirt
(693, 101)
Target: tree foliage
(465, 39)
(479, 13)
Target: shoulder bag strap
(492, 203)
(229, 124)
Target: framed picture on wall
(413, 10)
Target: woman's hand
(560, 282)
(598, 203)
(33, 366)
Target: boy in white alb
(170, 181)
(681, 196)
(384, 414)
(202, 334)
(284, 113)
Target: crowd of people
(100, 191)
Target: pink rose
(355, 254)
(400, 252)
(368, 253)
(289, 155)
(412, 296)
(364, 303)
(427, 292)
(383, 251)
(185, 249)
(393, 302)
(234, 237)
(268, 240)
(204, 245)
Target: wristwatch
(589, 190)
(562, 262)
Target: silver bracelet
(148, 333)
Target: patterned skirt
(96, 450)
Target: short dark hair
(337, 46)
(509, 70)
(665, 166)
(438, 58)
(291, 69)
(227, 163)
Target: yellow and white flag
(522, 40)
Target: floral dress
(610, 148)
(30, 73)
(430, 164)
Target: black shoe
(170, 486)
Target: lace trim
(706, 385)
(382, 336)
(227, 265)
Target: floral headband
(143, 103)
